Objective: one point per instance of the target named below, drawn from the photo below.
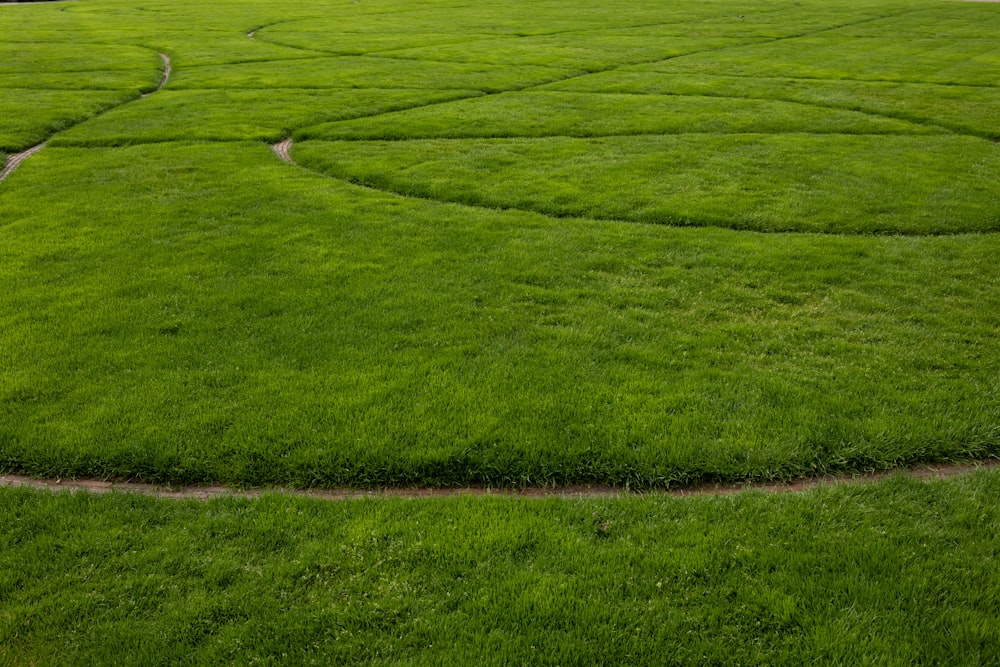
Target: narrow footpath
(919, 472)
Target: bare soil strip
(14, 161)
(166, 74)
(921, 472)
(282, 148)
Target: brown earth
(282, 148)
(921, 472)
(14, 161)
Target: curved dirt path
(281, 149)
(920, 472)
(164, 78)
(14, 161)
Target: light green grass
(238, 115)
(898, 573)
(189, 308)
(790, 182)
(178, 305)
(30, 116)
(948, 60)
(369, 72)
(20, 57)
(962, 109)
(265, 324)
(545, 113)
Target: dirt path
(14, 161)
(167, 69)
(282, 148)
(922, 472)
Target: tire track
(281, 150)
(14, 161)
(164, 78)
(924, 472)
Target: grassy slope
(192, 311)
(901, 572)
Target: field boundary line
(922, 472)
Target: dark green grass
(264, 324)
(788, 182)
(201, 311)
(898, 573)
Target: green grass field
(632, 243)
(900, 573)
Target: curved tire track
(14, 161)
(164, 78)
(281, 149)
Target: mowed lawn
(632, 243)
(900, 573)
(528, 243)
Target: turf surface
(629, 243)
(902, 572)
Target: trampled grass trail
(579, 492)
